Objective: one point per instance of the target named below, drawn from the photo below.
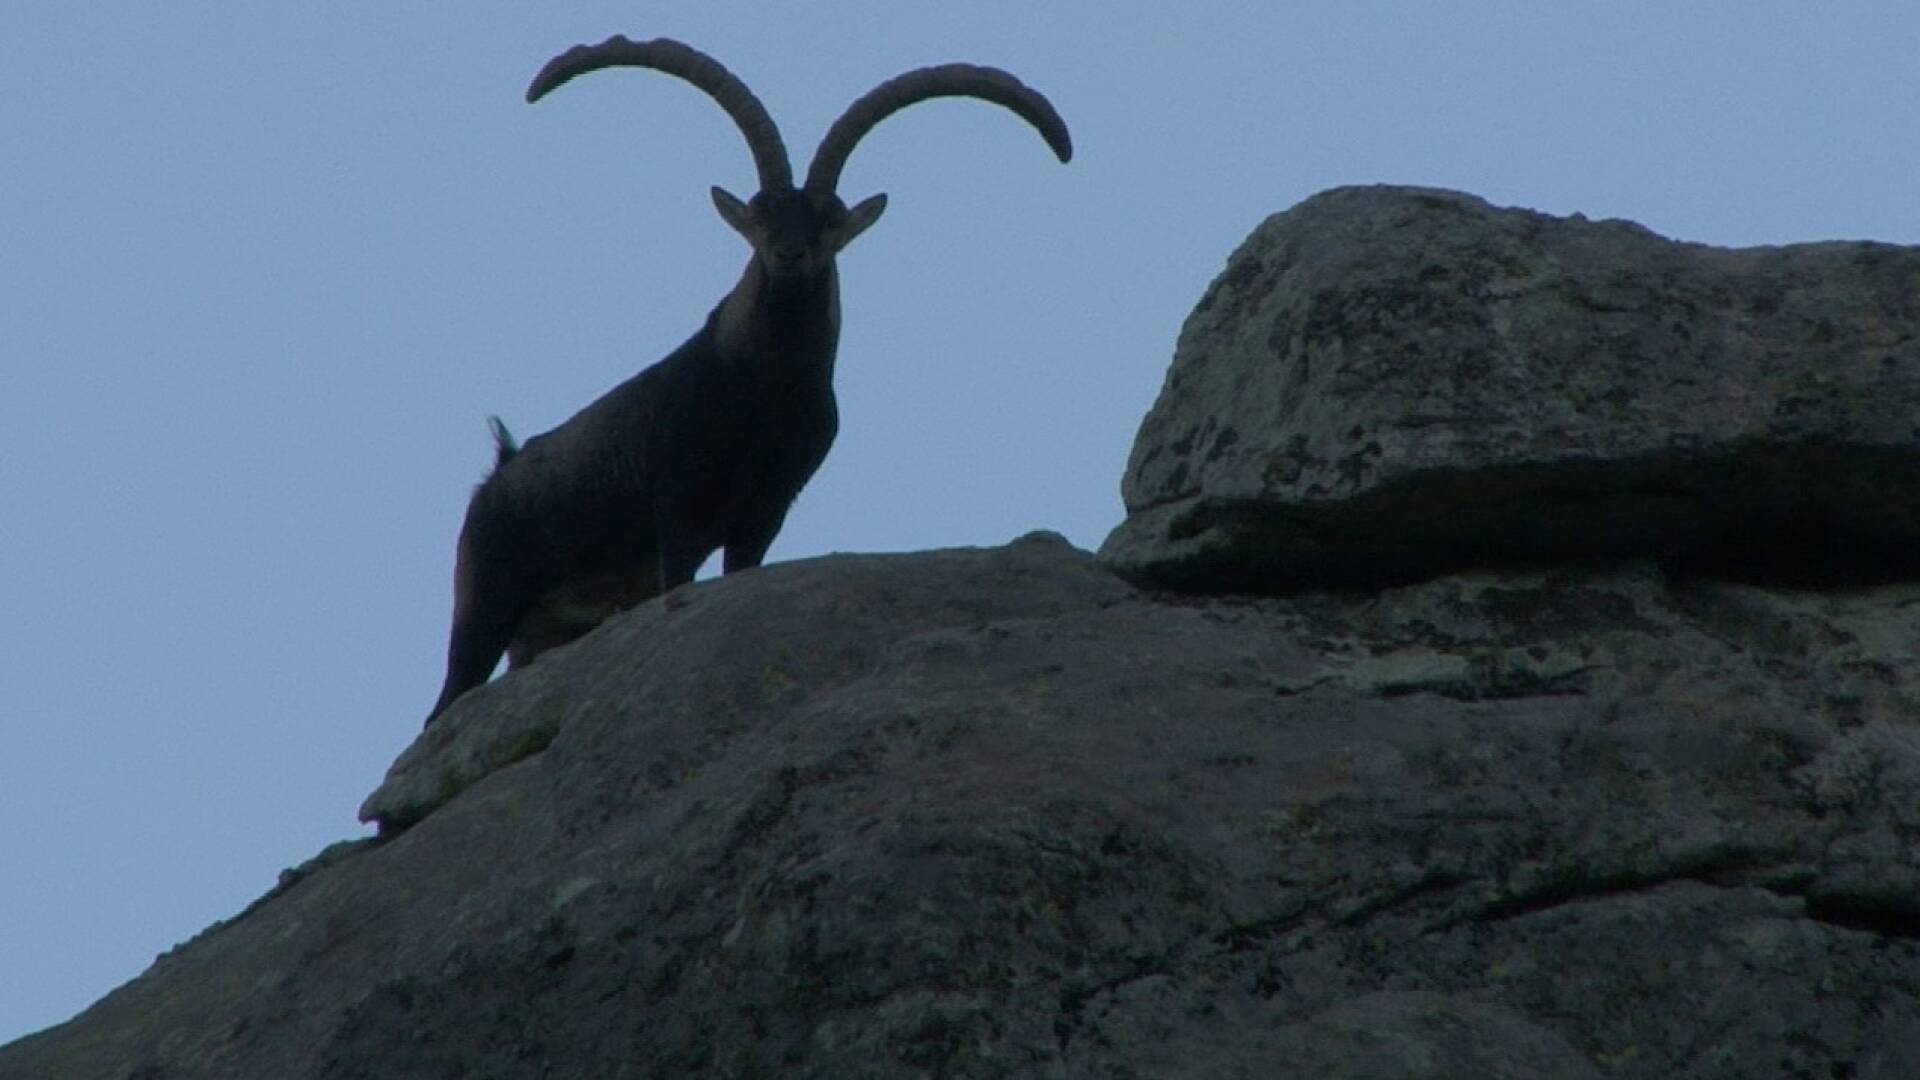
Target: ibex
(707, 448)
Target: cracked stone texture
(998, 813)
(1387, 383)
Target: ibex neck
(782, 321)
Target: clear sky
(265, 274)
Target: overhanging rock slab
(1387, 383)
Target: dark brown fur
(707, 449)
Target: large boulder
(1388, 383)
(998, 813)
(1551, 761)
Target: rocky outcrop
(996, 813)
(1007, 812)
(1389, 383)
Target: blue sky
(266, 275)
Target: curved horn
(946, 80)
(689, 63)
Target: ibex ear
(733, 212)
(863, 215)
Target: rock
(507, 720)
(1389, 383)
(1426, 1036)
(1548, 761)
(998, 813)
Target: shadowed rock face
(1593, 810)
(1389, 383)
(995, 812)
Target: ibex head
(796, 232)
